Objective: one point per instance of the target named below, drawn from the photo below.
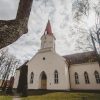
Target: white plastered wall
(90, 68)
(51, 63)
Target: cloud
(8, 9)
(60, 14)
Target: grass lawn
(59, 96)
(65, 96)
(5, 98)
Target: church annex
(48, 70)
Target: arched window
(56, 77)
(86, 78)
(31, 77)
(76, 78)
(97, 77)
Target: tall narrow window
(97, 77)
(56, 77)
(86, 78)
(31, 77)
(76, 78)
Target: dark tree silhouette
(11, 30)
(22, 84)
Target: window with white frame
(86, 78)
(31, 77)
(76, 78)
(97, 77)
(56, 77)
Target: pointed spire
(48, 28)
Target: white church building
(48, 70)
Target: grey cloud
(8, 9)
(58, 11)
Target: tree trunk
(11, 30)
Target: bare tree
(80, 8)
(95, 37)
(97, 12)
(95, 31)
(8, 66)
(3, 58)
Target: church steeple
(48, 39)
(48, 28)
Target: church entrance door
(43, 80)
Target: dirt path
(16, 98)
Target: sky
(59, 12)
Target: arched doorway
(43, 80)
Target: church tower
(47, 69)
(48, 39)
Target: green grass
(65, 96)
(5, 98)
(59, 96)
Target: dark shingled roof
(79, 58)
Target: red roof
(48, 28)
